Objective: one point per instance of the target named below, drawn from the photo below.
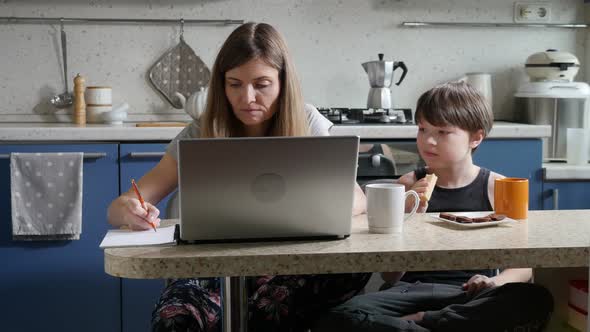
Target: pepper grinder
(79, 103)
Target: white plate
(473, 215)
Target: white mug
(386, 204)
(481, 82)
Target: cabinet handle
(555, 199)
(92, 155)
(139, 155)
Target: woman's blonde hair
(254, 41)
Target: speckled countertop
(546, 239)
(128, 132)
(501, 129)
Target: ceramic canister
(98, 95)
(94, 112)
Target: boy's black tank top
(472, 197)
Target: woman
(253, 92)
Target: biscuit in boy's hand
(431, 180)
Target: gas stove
(362, 116)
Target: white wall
(329, 40)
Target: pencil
(142, 202)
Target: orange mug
(511, 197)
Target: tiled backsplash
(328, 39)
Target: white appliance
(552, 65)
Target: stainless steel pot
(560, 114)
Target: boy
(453, 119)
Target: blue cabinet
(515, 158)
(566, 195)
(135, 161)
(139, 296)
(61, 285)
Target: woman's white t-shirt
(318, 125)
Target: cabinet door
(61, 285)
(139, 296)
(136, 160)
(568, 195)
(515, 158)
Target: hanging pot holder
(179, 70)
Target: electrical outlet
(532, 12)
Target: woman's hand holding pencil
(129, 211)
(143, 205)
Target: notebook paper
(127, 238)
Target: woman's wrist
(499, 280)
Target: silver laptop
(236, 189)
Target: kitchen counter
(501, 129)
(547, 239)
(128, 132)
(92, 132)
(563, 171)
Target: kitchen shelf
(496, 25)
(79, 20)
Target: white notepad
(127, 238)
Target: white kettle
(195, 105)
(481, 82)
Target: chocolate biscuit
(497, 217)
(464, 220)
(482, 219)
(448, 216)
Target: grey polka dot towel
(46, 195)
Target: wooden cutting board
(162, 124)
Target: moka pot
(380, 78)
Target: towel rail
(90, 155)
(94, 155)
(140, 155)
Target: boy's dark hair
(455, 104)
